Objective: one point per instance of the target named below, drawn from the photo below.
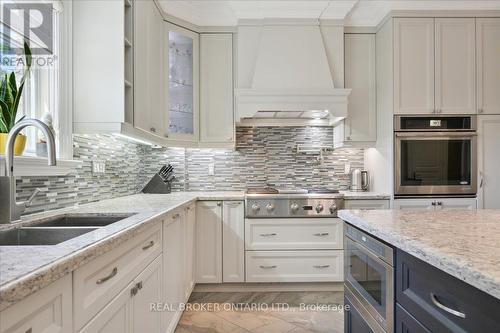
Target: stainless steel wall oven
(435, 155)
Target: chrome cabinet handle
(106, 278)
(175, 216)
(268, 267)
(321, 234)
(219, 204)
(153, 129)
(321, 266)
(445, 308)
(269, 235)
(150, 244)
(433, 203)
(134, 291)
(139, 285)
(482, 179)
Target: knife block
(157, 186)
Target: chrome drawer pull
(175, 216)
(321, 234)
(269, 235)
(321, 266)
(145, 247)
(445, 308)
(106, 278)
(268, 267)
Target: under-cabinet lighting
(126, 137)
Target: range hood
(289, 78)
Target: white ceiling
(355, 12)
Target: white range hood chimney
(292, 80)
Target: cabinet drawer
(367, 204)
(441, 302)
(98, 282)
(293, 234)
(48, 311)
(294, 266)
(405, 323)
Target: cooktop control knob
(333, 209)
(294, 207)
(319, 208)
(255, 208)
(270, 208)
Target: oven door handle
(435, 134)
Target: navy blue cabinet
(405, 323)
(354, 321)
(440, 302)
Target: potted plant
(10, 95)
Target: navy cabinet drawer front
(354, 321)
(405, 323)
(430, 294)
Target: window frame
(37, 166)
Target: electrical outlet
(347, 168)
(211, 169)
(98, 167)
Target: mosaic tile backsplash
(263, 155)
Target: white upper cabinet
(413, 65)
(149, 76)
(182, 93)
(488, 65)
(361, 122)
(455, 91)
(216, 90)
(102, 76)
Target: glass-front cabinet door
(183, 82)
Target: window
(47, 91)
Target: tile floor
(270, 312)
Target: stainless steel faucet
(10, 210)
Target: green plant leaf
(13, 83)
(3, 123)
(29, 61)
(3, 86)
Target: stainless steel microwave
(435, 155)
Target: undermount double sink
(57, 230)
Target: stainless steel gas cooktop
(271, 202)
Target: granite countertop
(462, 243)
(27, 269)
(350, 195)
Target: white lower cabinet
(173, 261)
(436, 203)
(189, 249)
(294, 266)
(98, 282)
(115, 317)
(294, 234)
(209, 242)
(130, 310)
(48, 310)
(367, 204)
(233, 241)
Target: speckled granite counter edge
(17, 289)
(452, 267)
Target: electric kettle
(359, 180)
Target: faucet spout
(10, 210)
(9, 149)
